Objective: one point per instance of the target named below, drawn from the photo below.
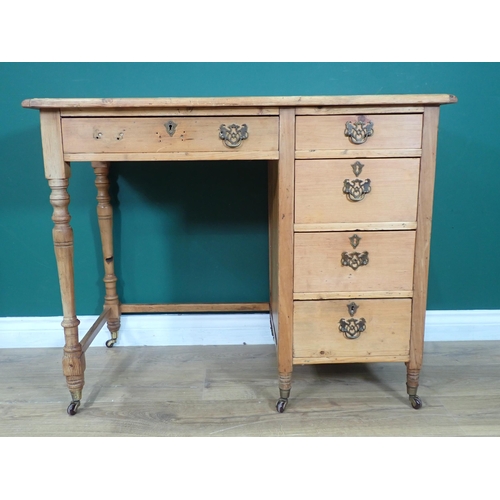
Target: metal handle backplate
(359, 131)
(233, 135)
(352, 328)
(354, 259)
(356, 189)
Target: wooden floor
(232, 391)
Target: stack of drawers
(356, 198)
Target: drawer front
(354, 262)
(375, 328)
(359, 132)
(367, 190)
(166, 135)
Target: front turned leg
(412, 378)
(105, 218)
(73, 357)
(285, 385)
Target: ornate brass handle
(358, 132)
(233, 134)
(352, 328)
(354, 259)
(356, 189)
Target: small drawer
(343, 132)
(364, 261)
(352, 330)
(170, 134)
(366, 190)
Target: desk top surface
(212, 102)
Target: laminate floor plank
(228, 391)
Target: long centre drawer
(227, 134)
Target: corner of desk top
(41, 103)
(33, 103)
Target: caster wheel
(110, 342)
(281, 405)
(73, 407)
(416, 402)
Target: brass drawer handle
(358, 132)
(356, 189)
(352, 328)
(233, 135)
(354, 259)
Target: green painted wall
(197, 232)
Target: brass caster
(73, 407)
(416, 402)
(110, 342)
(281, 405)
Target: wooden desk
(344, 171)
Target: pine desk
(351, 183)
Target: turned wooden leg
(105, 217)
(73, 357)
(281, 231)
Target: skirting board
(221, 329)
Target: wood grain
(149, 135)
(354, 226)
(283, 221)
(317, 334)
(209, 102)
(320, 196)
(240, 111)
(390, 132)
(318, 266)
(182, 308)
(54, 163)
(310, 154)
(364, 110)
(423, 237)
(238, 154)
(232, 390)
